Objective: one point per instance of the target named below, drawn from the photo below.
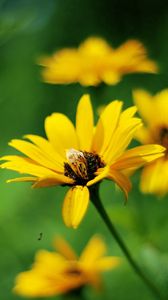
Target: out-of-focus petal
(154, 178)
(107, 263)
(94, 250)
(64, 248)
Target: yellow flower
(83, 156)
(55, 273)
(95, 61)
(154, 111)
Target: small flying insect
(40, 236)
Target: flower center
(81, 165)
(73, 271)
(164, 137)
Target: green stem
(100, 208)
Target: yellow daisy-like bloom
(154, 111)
(60, 272)
(95, 61)
(83, 156)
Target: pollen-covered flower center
(81, 165)
(164, 137)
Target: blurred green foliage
(29, 29)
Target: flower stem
(100, 208)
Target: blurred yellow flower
(83, 156)
(154, 111)
(60, 272)
(95, 61)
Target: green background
(29, 29)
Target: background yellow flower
(95, 61)
(60, 272)
(154, 111)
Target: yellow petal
(94, 46)
(127, 114)
(22, 179)
(131, 57)
(47, 149)
(75, 205)
(145, 105)
(161, 105)
(121, 180)
(106, 126)
(30, 284)
(35, 284)
(84, 123)
(62, 67)
(123, 134)
(44, 176)
(138, 156)
(121, 139)
(111, 77)
(154, 109)
(107, 263)
(154, 178)
(49, 263)
(45, 277)
(54, 267)
(143, 135)
(37, 155)
(131, 48)
(94, 250)
(89, 78)
(100, 175)
(64, 248)
(61, 133)
(57, 179)
(25, 165)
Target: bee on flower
(95, 61)
(63, 272)
(82, 156)
(154, 111)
